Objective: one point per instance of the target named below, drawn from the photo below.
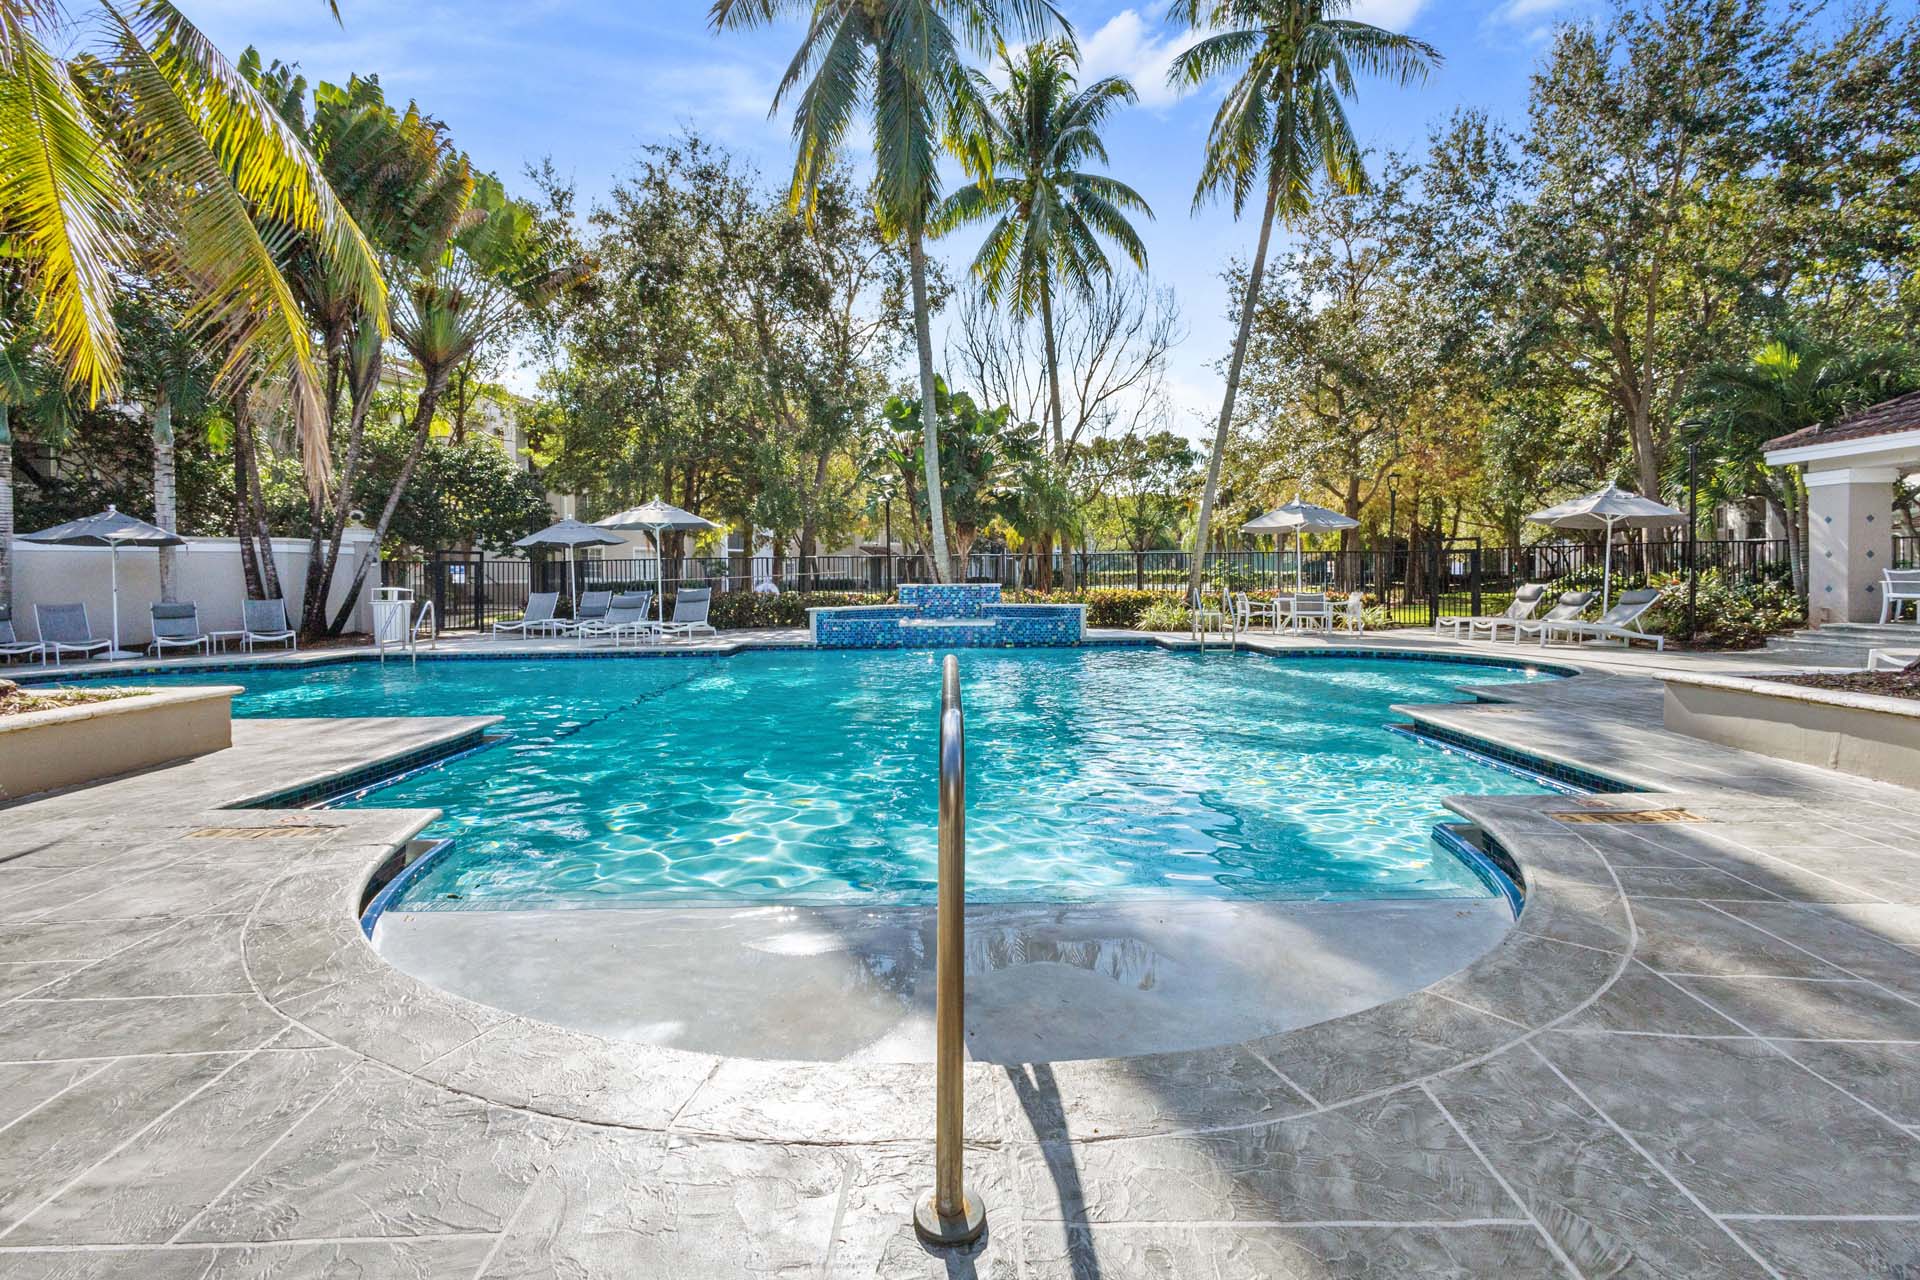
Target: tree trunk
(1204, 529)
(165, 494)
(252, 504)
(6, 513)
(322, 562)
(1043, 562)
(249, 554)
(422, 426)
(929, 404)
(1056, 409)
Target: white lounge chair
(265, 622)
(177, 626)
(1898, 587)
(1891, 659)
(537, 620)
(1618, 623)
(11, 645)
(1353, 614)
(690, 608)
(625, 619)
(64, 629)
(1567, 609)
(1524, 602)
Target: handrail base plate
(948, 1232)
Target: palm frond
(65, 200)
(243, 300)
(268, 166)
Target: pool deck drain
(1694, 1056)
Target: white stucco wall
(208, 571)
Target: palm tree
(1296, 61)
(162, 134)
(1029, 140)
(1050, 215)
(904, 58)
(1792, 381)
(501, 265)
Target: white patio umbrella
(656, 518)
(113, 530)
(1606, 509)
(571, 534)
(1299, 517)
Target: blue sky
(590, 82)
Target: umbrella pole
(573, 580)
(113, 577)
(1606, 571)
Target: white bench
(1900, 586)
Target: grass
(16, 701)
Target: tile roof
(1902, 413)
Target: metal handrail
(950, 1214)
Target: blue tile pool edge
(1488, 867)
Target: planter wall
(1856, 733)
(72, 746)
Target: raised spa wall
(939, 616)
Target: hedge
(737, 610)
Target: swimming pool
(810, 777)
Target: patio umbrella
(656, 518)
(1605, 509)
(571, 534)
(1299, 517)
(113, 530)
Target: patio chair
(1249, 610)
(63, 628)
(1353, 614)
(1618, 623)
(537, 620)
(1312, 609)
(1567, 609)
(593, 607)
(265, 622)
(1898, 587)
(1891, 659)
(690, 608)
(11, 645)
(626, 616)
(177, 626)
(1524, 602)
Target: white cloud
(1394, 15)
(1136, 46)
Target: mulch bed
(15, 701)
(1888, 684)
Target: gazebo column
(1850, 541)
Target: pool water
(1092, 773)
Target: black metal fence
(471, 592)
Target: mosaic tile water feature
(941, 616)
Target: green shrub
(1106, 606)
(737, 610)
(1163, 614)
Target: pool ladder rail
(951, 1213)
(1199, 611)
(428, 623)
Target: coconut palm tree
(1283, 119)
(1049, 215)
(160, 130)
(903, 57)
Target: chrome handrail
(950, 1214)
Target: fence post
(1473, 571)
(1434, 560)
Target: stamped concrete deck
(1695, 1056)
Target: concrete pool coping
(1681, 1057)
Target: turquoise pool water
(811, 777)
